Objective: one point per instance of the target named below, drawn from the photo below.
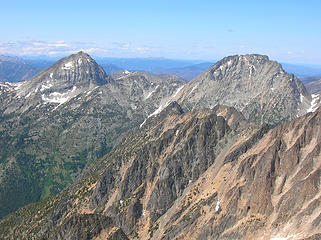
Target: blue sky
(288, 31)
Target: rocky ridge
(206, 174)
(254, 85)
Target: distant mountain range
(151, 65)
(232, 154)
(188, 72)
(14, 69)
(313, 84)
(302, 70)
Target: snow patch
(150, 94)
(5, 85)
(57, 97)
(178, 90)
(218, 206)
(9, 83)
(51, 74)
(67, 66)
(301, 97)
(28, 95)
(162, 106)
(140, 126)
(229, 63)
(193, 89)
(157, 111)
(90, 91)
(314, 103)
(44, 87)
(17, 85)
(251, 71)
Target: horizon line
(204, 60)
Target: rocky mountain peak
(59, 83)
(79, 59)
(252, 59)
(253, 84)
(67, 77)
(75, 71)
(248, 63)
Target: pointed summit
(63, 80)
(78, 70)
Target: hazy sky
(286, 30)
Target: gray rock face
(86, 227)
(70, 114)
(253, 84)
(75, 70)
(174, 157)
(205, 174)
(263, 180)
